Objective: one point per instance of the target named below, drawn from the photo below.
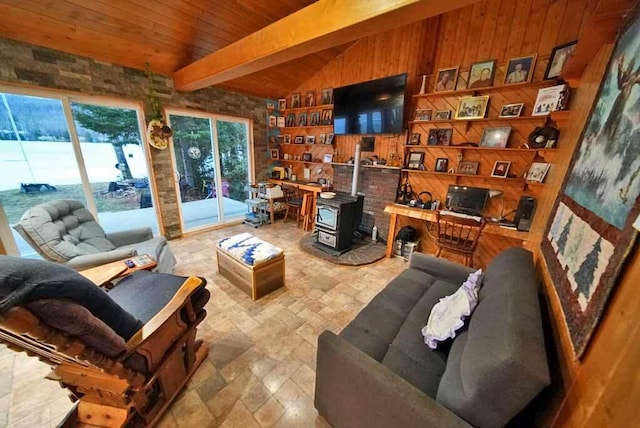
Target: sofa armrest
(131, 236)
(354, 390)
(451, 271)
(97, 259)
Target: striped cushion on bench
(248, 249)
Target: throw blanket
(249, 249)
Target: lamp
(493, 193)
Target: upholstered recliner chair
(64, 231)
(124, 355)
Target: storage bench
(251, 264)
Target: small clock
(194, 152)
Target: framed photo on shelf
(495, 137)
(327, 96)
(557, 59)
(329, 138)
(282, 104)
(322, 138)
(272, 139)
(286, 138)
(299, 139)
(291, 120)
(307, 157)
(415, 160)
(423, 114)
(302, 119)
(511, 110)
(468, 167)
(273, 121)
(414, 140)
(310, 139)
(280, 121)
(500, 169)
(472, 107)
(327, 117)
(441, 164)
(440, 137)
(310, 99)
(315, 118)
(538, 171)
(551, 99)
(295, 100)
(520, 70)
(442, 115)
(275, 154)
(270, 105)
(446, 79)
(481, 74)
(328, 158)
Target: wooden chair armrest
(175, 304)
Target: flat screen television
(467, 200)
(373, 107)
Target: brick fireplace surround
(378, 185)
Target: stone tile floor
(260, 371)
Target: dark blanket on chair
(23, 281)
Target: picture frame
(315, 119)
(272, 139)
(327, 117)
(298, 140)
(414, 140)
(295, 100)
(537, 172)
(472, 107)
(329, 138)
(322, 138)
(310, 99)
(558, 58)
(551, 99)
(286, 138)
(310, 139)
(280, 121)
(282, 104)
(275, 154)
(442, 115)
(511, 110)
(440, 137)
(270, 105)
(495, 137)
(481, 74)
(468, 167)
(520, 70)
(446, 79)
(273, 121)
(291, 120)
(327, 96)
(327, 158)
(441, 165)
(423, 114)
(307, 157)
(501, 169)
(302, 119)
(415, 160)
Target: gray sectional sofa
(379, 373)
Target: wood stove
(336, 220)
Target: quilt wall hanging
(590, 233)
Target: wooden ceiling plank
(319, 26)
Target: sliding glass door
(212, 162)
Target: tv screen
(469, 200)
(373, 107)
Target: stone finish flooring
(260, 371)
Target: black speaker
(524, 214)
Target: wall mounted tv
(373, 107)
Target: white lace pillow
(449, 313)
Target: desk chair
(124, 355)
(458, 235)
(293, 201)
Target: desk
(304, 185)
(430, 215)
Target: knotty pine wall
(603, 388)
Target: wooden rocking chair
(135, 386)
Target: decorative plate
(158, 134)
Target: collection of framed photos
(326, 99)
(302, 139)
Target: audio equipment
(543, 137)
(524, 213)
(424, 203)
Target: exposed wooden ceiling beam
(319, 26)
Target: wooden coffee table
(104, 274)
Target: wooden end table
(104, 274)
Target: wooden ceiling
(169, 35)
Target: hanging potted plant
(158, 133)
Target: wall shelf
(306, 145)
(483, 177)
(306, 127)
(495, 149)
(494, 119)
(299, 161)
(321, 106)
(488, 89)
(368, 166)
